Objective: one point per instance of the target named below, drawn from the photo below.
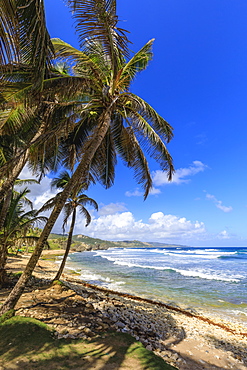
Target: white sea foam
(207, 275)
(90, 276)
(131, 264)
(197, 253)
(240, 312)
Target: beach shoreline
(208, 342)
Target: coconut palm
(17, 223)
(25, 54)
(77, 200)
(111, 120)
(31, 116)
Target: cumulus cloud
(218, 203)
(154, 191)
(134, 193)
(223, 235)
(159, 227)
(181, 175)
(111, 208)
(138, 193)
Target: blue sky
(198, 82)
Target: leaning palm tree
(76, 200)
(111, 120)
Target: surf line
(155, 303)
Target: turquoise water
(212, 278)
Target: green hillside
(83, 243)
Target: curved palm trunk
(3, 260)
(79, 175)
(5, 207)
(3, 249)
(69, 241)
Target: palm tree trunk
(15, 172)
(3, 260)
(69, 241)
(5, 207)
(3, 251)
(80, 174)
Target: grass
(27, 343)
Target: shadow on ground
(238, 351)
(29, 344)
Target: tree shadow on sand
(238, 351)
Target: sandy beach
(184, 339)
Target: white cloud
(161, 227)
(138, 193)
(180, 176)
(111, 208)
(218, 203)
(154, 191)
(135, 193)
(223, 235)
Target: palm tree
(32, 120)
(76, 200)
(25, 54)
(110, 119)
(16, 224)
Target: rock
(120, 324)
(89, 306)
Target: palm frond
(49, 204)
(104, 162)
(68, 209)
(85, 200)
(24, 37)
(20, 182)
(159, 124)
(152, 142)
(9, 48)
(35, 44)
(86, 214)
(136, 64)
(97, 20)
(129, 149)
(61, 181)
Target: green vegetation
(83, 242)
(30, 344)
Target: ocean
(211, 279)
